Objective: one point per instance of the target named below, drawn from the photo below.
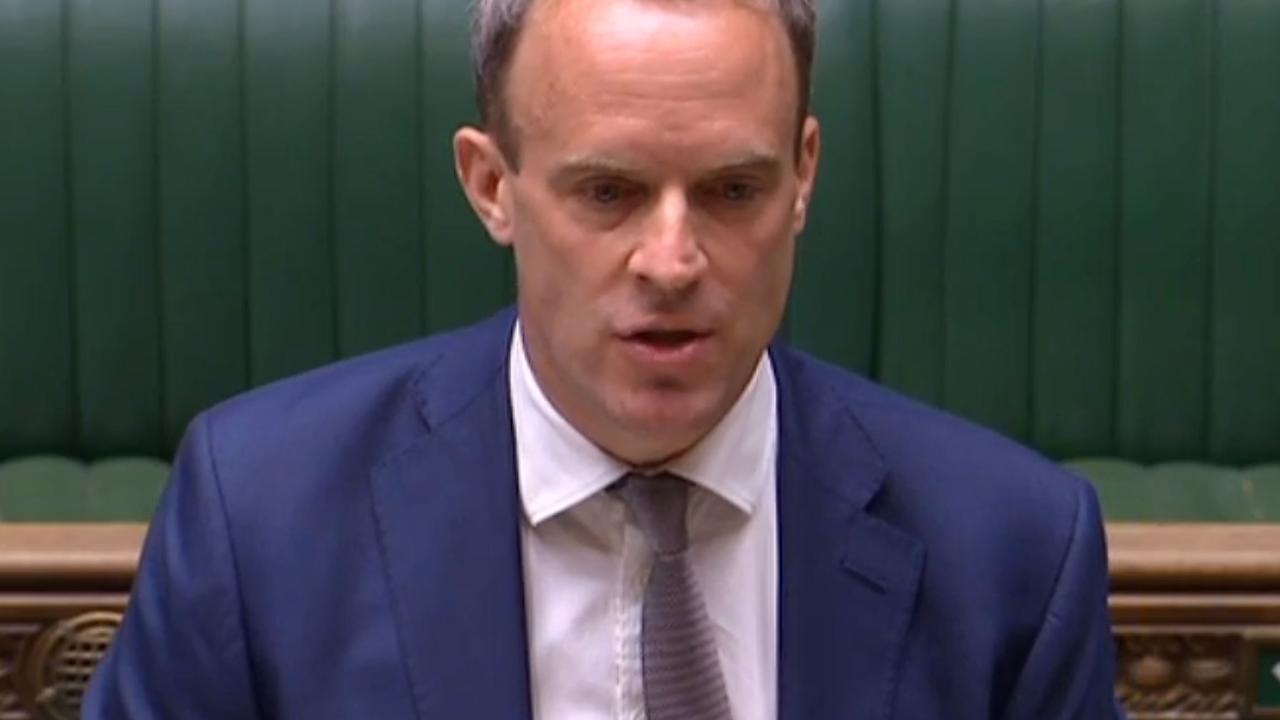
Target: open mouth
(669, 348)
(666, 338)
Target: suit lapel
(848, 580)
(448, 514)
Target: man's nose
(669, 255)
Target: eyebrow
(591, 165)
(758, 162)
(600, 165)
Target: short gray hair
(496, 26)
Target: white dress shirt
(585, 562)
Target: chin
(672, 418)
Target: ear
(806, 170)
(484, 175)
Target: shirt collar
(558, 467)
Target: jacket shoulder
(342, 394)
(946, 475)
(305, 432)
(915, 438)
(997, 521)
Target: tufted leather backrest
(1076, 213)
(204, 195)
(1059, 217)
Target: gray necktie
(682, 679)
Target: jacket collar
(448, 513)
(448, 517)
(848, 580)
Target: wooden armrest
(1194, 556)
(97, 556)
(1189, 603)
(1144, 556)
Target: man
(618, 502)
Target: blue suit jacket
(346, 544)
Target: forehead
(663, 68)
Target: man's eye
(605, 193)
(737, 191)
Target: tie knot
(657, 504)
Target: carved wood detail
(1188, 675)
(14, 640)
(45, 667)
(62, 592)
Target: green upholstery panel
(1244, 386)
(1080, 234)
(57, 489)
(833, 302)
(1057, 218)
(112, 220)
(1074, 288)
(200, 196)
(201, 210)
(1163, 309)
(1183, 492)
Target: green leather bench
(1060, 218)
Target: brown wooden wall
(1196, 611)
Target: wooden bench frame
(1195, 609)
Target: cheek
(772, 284)
(564, 282)
(542, 247)
(756, 278)
(574, 259)
(756, 263)
(777, 250)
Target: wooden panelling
(1196, 611)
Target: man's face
(654, 212)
